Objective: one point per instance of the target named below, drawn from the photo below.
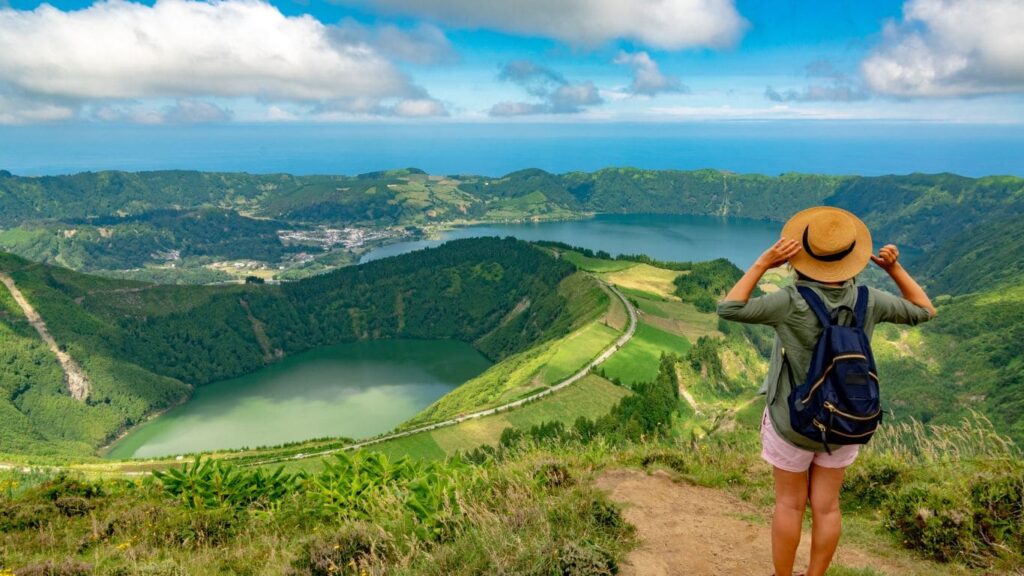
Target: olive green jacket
(797, 331)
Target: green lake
(362, 389)
(355, 390)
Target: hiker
(827, 247)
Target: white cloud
(647, 77)
(836, 86)
(419, 108)
(184, 111)
(117, 52)
(16, 109)
(669, 24)
(948, 48)
(557, 95)
(422, 44)
(830, 92)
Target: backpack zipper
(832, 408)
(829, 369)
(822, 427)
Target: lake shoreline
(350, 389)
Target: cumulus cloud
(945, 48)
(647, 77)
(557, 95)
(669, 24)
(116, 51)
(828, 84)
(422, 44)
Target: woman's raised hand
(779, 253)
(887, 257)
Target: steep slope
(144, 346)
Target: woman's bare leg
(826, 518)
(787, 522)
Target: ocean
(493, 149)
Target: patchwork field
(680, 318)
(645, 278)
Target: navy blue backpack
(839, 401)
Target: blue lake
(665, 237)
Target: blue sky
(575, 61)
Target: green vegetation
(508, 493)
(638, 359)
(122, 221)
(143, 346)
(591, 397)
(364, 514)
(969, 357)
(513, 492)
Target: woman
(827, 247)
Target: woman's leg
(787, 522)
(826, 518)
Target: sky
(186, 62)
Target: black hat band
(831, 257)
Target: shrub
(998, 502)
(73, 505)
(671, 459)
(585, 560)
(934, 519)
(346, 551)
(872, 481)
(607, 515)
(67, 486)
(56, 568)
(553, 475)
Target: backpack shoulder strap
(860, 309)
(816, 304)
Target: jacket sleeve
(771, 309)
(898, 310)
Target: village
(349, 238)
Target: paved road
(490, 411)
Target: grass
(645, 278)
(595, 264)
(616, 316)
(576, 349)
(538, 367)
(680, 318)
(637, 294)
(637, 361)
(592, 396)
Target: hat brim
(822, 271)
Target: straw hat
(836, 244)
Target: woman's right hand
(779, 253)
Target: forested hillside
(115, 221)
(143, 346)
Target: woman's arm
(888, 260)
(777, 255)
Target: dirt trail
(695, 531)
(74, 376)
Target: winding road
(607, 353)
